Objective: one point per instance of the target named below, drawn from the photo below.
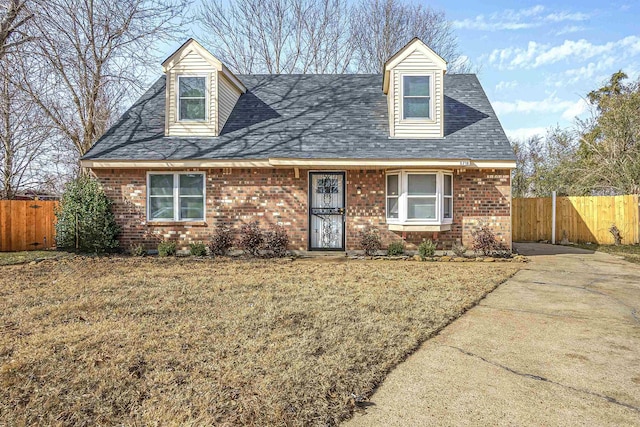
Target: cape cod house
(415, 152)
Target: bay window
(176, 196)
(393, 192)
(419, 197)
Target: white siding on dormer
(228, 95)
(417, 63)
(192, 64)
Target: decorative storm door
(326, 211)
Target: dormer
(414, 84)
(200, 92)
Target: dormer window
(192, 98)
(416, 97)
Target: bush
(85, 222)
(484, 241)
(167, 249)
(276, 241)
(222, 241)
(426, 249)
(370, 241)
(395, 248)
(459, 249)
(251, 238)
(137, 250)
(197, 249)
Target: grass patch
(10, 258)
(630, 253)
(157, 341)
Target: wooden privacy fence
(583, 219)
(27, 225)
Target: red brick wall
(276, 196)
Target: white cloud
(536, 54)
(566, 16)
(525, 133)
(577, 109)
(504, 85)
(570, 29)
(590, 71)
(551, 104)
(511, 19)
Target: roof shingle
(311, 117)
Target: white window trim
(403, 198)
(176, 196)
(432, 79)
(206, 98)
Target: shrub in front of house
(395, 248)
(222, 240)
(485, 242)
(251, 238)
(137, 250)
(166, 249)
(370, 241)
(426, 249)
(85, 222)
(197, 249)
(459, 249)
(276, 241)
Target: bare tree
(24, 137)
(322, 36)
(13, 19)
(279, 36)
(382, 27)
(91, 55)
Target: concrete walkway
(558, 344)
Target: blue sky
(537, 60)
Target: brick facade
(276, 196)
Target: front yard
(86, 341)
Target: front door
(326, 211)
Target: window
(447, 194)
(416, 97)
(393, 192)
(176, 196)
(421, 196)
(416, 197)
(192, 98)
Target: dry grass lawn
(630, 253)
(9, 258)
(105, 341)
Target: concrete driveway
(558, 344)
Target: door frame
(344, 203)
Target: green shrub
(370, 241)
(198, 249)
(167, 249)
(426, 249)
(222, 241)
(138, 250)
(85, 222)
(276, 241)
(395, 248)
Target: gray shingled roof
(311, 116)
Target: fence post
(553, 217)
